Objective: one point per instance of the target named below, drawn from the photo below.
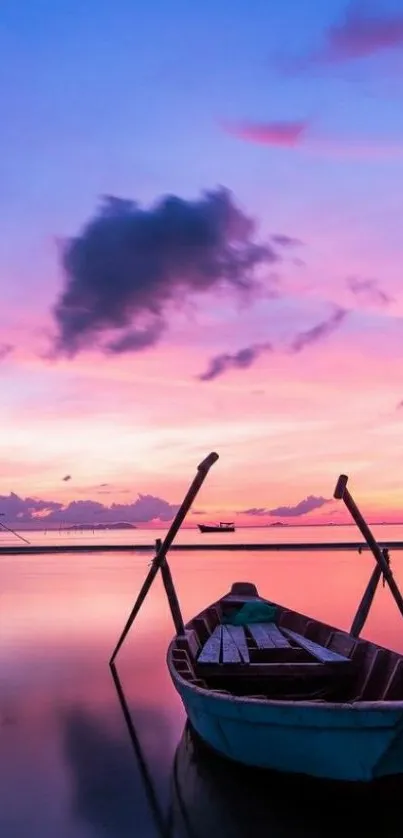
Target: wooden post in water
(170, 591)
(202, 472)
(381, 557)
(366, 602)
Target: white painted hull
(360, 741)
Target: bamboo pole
(202, 472)
(381, 556)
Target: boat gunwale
(272, 702)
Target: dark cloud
(369, 290)
(400, 405)
(5, 350)
(320, 331)
(283, 134)
(243, 359)
(35, 511)
(307, 505)
(66, 478)
(128, 265)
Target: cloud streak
(308, 504)
(242, 360)
(360, 35)
(302, 136)
(129, 265)
(282, 134)
(369, 291)
(282, 240)
(319, 332)
(246, 357)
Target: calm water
(67, 765)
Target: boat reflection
(209, 796)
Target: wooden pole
(202, 472)
(381, 557)
(170, 591)
(21, 537)
(366, 602)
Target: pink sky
(284, 428)
(128, 351)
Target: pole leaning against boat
(160, 557)
(381, 557)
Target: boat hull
(207, 528)
(336, 742)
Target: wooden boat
(210, 796)
(268, 687)
(221, 527)
(293, 695)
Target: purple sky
(245, 323)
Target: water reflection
(209, 796)
(163, 824)
(105, 793)
(67, 769)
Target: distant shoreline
(144, 528)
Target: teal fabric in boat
(252, 612)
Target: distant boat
(221, 527)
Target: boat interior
(292, 658)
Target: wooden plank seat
(225, 645)
(211, 650)
(230, 645)
(238, 635)
(268, 636)
(230, 653)
(321, 653)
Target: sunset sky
(201, 249)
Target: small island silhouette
(120, 525)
